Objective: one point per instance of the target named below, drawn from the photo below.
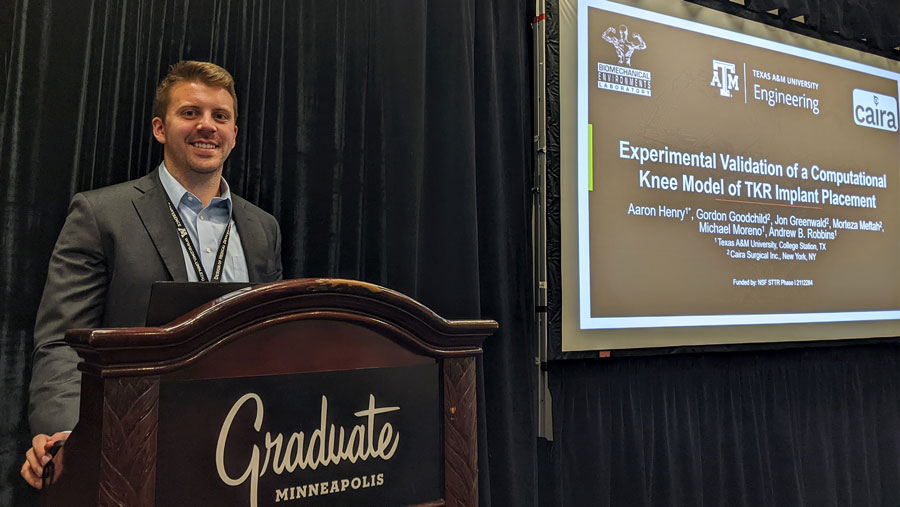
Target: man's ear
(159, 129)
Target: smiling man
(118, 240)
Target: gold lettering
(360, 445)
(252, 469)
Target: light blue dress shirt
(206, 226)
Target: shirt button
(201, 217)
(208, 250)
(190, 198)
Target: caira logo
(623, 79)
(874, 110)
(724, 78)
(625, 46)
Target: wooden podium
(304, 392)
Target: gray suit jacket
(115, 243)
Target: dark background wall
(390, 139)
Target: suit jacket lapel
(253, 239)
(151, 207)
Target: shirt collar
(177, 193)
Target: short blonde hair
(189, 71)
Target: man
(118, 240)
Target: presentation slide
(725, 179)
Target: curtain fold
(805, 427)
(877, 22)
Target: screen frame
(660, 335)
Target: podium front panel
(359, 437)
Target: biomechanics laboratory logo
(623, 79)
(625, 46)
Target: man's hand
(38, 456)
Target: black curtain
(867, 25)
(876, 22)
(813, 427)
(392, 140)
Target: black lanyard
(192, 252)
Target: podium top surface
(141, 350)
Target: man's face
(199, 130)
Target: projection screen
(722, 181)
